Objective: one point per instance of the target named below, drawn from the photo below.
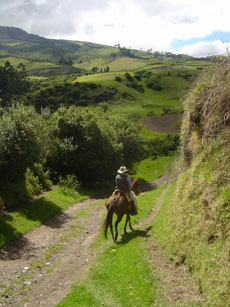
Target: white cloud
(202, 49)
(132, 23)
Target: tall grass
(197, 218)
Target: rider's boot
(133, 209)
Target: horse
(117, 203)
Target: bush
(138, 77)
(118, 79)
(89, 143)
(69, 183)
(20, 143)
(128, 77)
(163, 146)
(156, 87)
(42, 175)
(151, 113)
(2, 207)
(32, 183)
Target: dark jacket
(122, 183)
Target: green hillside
(196, 221)
(70, 114)
(37, 52)
(47, 79)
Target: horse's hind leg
(119, 217)
(111, 229)
(126, 222)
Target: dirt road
(39, 268)
(43, 264)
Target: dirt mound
(168, 124)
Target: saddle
(129, 201)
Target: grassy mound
(197, 223)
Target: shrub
(69, 183)
(163, 145)
(90, 143)
(20, 143)
(32, 183)
(128, 77)
(118, 79)
(151, 113)
(2, 207)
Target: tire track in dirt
(176, 282)
(39, 268)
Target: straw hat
(122, 170)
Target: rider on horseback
(123, 184)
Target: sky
(195, 27)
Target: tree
(20, 145)
(128, 77)
(106, 69)
(94, 69)
(90, 143)
(12, 82)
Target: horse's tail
(109, 216)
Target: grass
(15, 224)
(149, 170)
(97, 77)
(121, 276)
(124, 64)
(149, 135)
(30, 65)
(161, 221)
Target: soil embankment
(168, 124)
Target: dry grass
(199, 215)
(207, 111)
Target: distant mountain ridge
(13, 34)
(16, 41)
(44, 56)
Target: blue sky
(196, 27)
(224, 37)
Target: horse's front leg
(126, 222)
(119, 217)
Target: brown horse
(118, 203)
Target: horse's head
(136, 186)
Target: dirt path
(39, 268)
(178, 286)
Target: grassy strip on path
(176, 280)
(121, 276)
(15, 224)
(124, 273)
(148, 170)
